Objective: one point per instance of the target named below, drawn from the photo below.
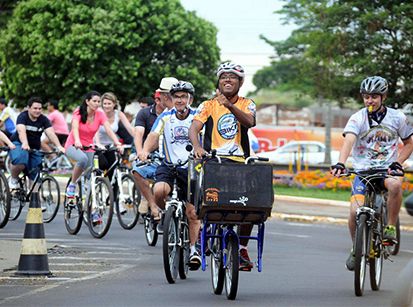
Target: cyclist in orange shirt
(227, 118)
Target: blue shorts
(31, 160)
(146, 171)
(359, 186)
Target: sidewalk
(289, 208)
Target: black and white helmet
(182, 86)
(374, 85)
(231, 67)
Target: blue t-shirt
(34, 129)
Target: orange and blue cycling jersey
(223, 132)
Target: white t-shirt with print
(377, 146)
(175, 135)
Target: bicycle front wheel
(185, 250)
(73, 211)
(100, 213)
(127, 202)
(49, 193)
(149, 226)
(4, 200)
(17, 201)
(217, 265)
(170, 245)
(361, 251)
(232, 267)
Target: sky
(239, 24)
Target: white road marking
(63, 282)
(286, 234)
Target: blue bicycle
(226, 196)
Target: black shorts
(165, 174)
(62, 138)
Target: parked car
(311, 152)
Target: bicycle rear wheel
(73, 211)
(4, 200)
(170, 246)
(184, 251)
(361, 251)
(103, 208)
(127, 211)
(49, 193)
(217, 265)
(395, 248)
(232, 267)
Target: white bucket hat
(166, 84)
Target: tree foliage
(338, 43)
(65, 48)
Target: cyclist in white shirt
(373, 134)
(174, 126)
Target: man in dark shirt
(30, 125)
(143, 125)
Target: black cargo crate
(237, 193)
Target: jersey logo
(180, 135)
(228, 126)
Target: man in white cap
(164, 88)
(143, 125)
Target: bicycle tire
(4, 200)
(217, 264)
(170, 246)
(104, 201)
(395, 248)
(185, 249)
(149, 227)
(49, 193)
(73, 211)
(376, 255)
(232, 267)
(17, 198)
(129, 218)
(361, 250)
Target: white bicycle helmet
(231, 67)
(182, 86)
(374, 85)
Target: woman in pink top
(86, 121)
(58, 123)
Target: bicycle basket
(237, 192)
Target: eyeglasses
(370, 96)
(183, 97)
(230, 77)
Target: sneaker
(245, 263)
(13, 183)
(71, 190)
(194, 261)
(390, 235)
(96, 218)
(143, 207)
(351, 261)
(122, 208)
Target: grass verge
(341, 195)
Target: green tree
(338, 43)
(6, 10)
(65, 48)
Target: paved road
(303, 266)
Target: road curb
(319, 219)
(308, 200)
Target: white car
(311, 152)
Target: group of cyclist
(221, 123)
